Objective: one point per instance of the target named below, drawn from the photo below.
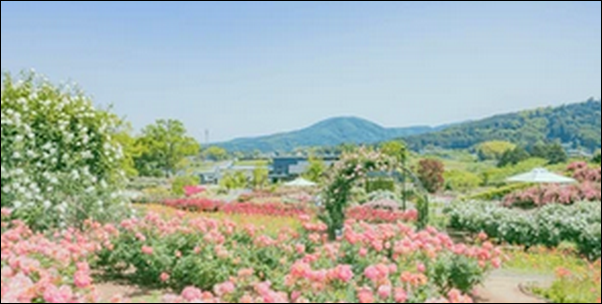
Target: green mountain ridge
(577, 124)
(330, 132)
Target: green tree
(214, 153)
(165, 145)
(513, 157)
(236, 180)
(493, 150)
(130, 146)
(260, 177)
(430, 172)
(395, 149)
(462, 181)
(596, 158)
(556, 154)
(315, 171)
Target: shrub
(548, 226)
(430, 172)
(298, 267)
(461, 180)
(596, 159)
(60, 163)
(180, 183)
(380, 184)
(498, 194)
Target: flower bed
(588, 190)
(361, 213)
(548, 226)
(369, 264)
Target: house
(289, 168)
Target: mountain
(576, 124)
(331, 132)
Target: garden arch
(358, 166)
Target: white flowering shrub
(60, 165)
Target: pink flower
(82, 280)
(365, 295)
(384, 292)
(192, 294)
(421, 268)
(371, 273)
(6, 212)
(147, 250)
(400, 295)
(225, 289)
(344, 273)
(55, 295)
(164, 277)
(497, 263)
(363, 252)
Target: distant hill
(331, 132)
(576, 124)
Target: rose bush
(60, 162)
(385, 263)
(549, 226)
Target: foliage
(462, 181)
(493, 150)
(549, 226)
(380, 184)
(596, 159)
(513, 157)
(214, 153)
(553, 152)
(576, 124)
(234, 180)
(130, 147)
(296, 267)
(430, 172)
(395, 149)
(165, 145)
(352, 167)
(260, 177)
(498, 194)
(498, 176)
(61, 164)
(315, 171)
(181, 182)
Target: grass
(271, 225)
(577, 280)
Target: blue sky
(251, 68)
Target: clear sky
(250, 68)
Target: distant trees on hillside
(575, 124)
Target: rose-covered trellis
(353, 168)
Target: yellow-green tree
(165, 145)
(260, 177)
(493, 150)
(315, 171)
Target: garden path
(503, 286)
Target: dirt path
(504, 287)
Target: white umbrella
(541, 176)
(300, 183)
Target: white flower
(47, 205)
(16, 155)
(17, 205)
